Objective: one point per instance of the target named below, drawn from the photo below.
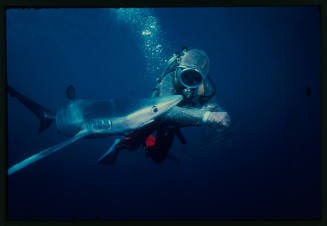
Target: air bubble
(146, 32)
(149, 36)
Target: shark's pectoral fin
(46, 152)
(111, 155)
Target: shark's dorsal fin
(70, 92)
(46, 152)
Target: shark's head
(161, 105)
(151, 109)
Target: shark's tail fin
(45, 116)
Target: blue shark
(85, 118)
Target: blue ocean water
(263, 60)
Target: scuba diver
(186, 73)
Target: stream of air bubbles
(146, 28)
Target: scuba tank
(171, 66)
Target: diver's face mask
(189, 77)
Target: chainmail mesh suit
(191, 110)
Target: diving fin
(111, 155)
(180, 135)
(45, 116)
(45, 153)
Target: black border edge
(323, 111)
(6, 4)
(3, 113)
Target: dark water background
(263, 60)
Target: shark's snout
(167, 102)
(176, 99)
(156, 107)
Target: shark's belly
(99, 117)
(69, 118)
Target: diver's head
(193, 68)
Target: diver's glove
(216, 120)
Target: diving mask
(190, 77)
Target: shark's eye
(154, 109)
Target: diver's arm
(216, 116)
(183, 116)
(210, 114)
(212, 105)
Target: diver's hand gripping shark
(83, 118)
